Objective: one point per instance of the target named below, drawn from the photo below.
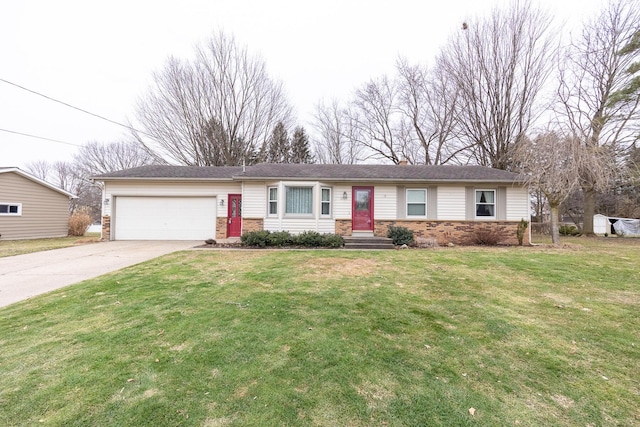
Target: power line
(71, 106)
(38, 137)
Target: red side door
(362, 209)
(234, 215)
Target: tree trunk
(555, 233)
(589, 211)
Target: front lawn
(18, 247)
(516, 336)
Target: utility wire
(38, 137)
(71, 106)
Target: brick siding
(252, 224)
(221, 228)
(106, 227)
(343, 227)
(456, 232)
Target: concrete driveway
(24, 276)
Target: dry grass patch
(19, 247)
(332, 268)
(377, 394)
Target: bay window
(299, 200)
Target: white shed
(600, 224)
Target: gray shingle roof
(380, 172)
(174, 172)
(444, 173)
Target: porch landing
(367, 241)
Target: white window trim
(269, 201)
(330, 202)
(495, 203)
(9, 204)
(298, 215)
(406, 204)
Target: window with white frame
(325, 202)
(11, 209)
(485, 203)
(416, 202)
(299, 200)
(273, 201)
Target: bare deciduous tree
(40, 169)
(95, 158)
(217, 109)
(551, 167)
(499, 65)
(333, 143)
(591, 79)
(373, 119)
(428, 101)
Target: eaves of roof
(390, 180)
(37, 180)
(328, 173)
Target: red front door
(362, 209)
(234, 215)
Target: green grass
(18, 247)
(526, 336)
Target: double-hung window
(416, 202)
(299, 200)
(273, 201)
(325, 203)
(486, 203)
(11, 209)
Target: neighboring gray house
(31, 208)
(448, 203)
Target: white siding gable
(384, 202)
(254, 200)
(451, 203)
(341, 207)
(518, 203)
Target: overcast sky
(100, 56)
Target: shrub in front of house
(79, 221)
(332, 241)
(400, 235)
(255, 238)
(310, 239)
(522, 227)
(280, 238)
(486, 236)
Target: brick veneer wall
(456, 232)
(221, 228)
(252, 224)
(106, 228)
(445, 232)
(343, 227)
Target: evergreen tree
(300, 151)
(631, 91)
(279, 145)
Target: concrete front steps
(367, 242)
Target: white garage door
(165, 218)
